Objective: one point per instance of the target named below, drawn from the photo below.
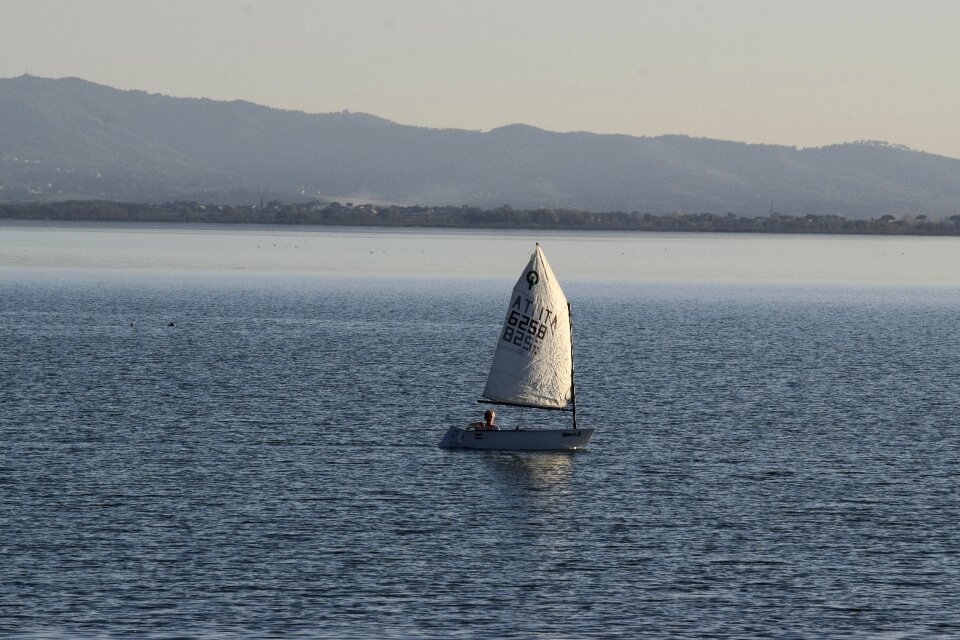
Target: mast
(573, 392)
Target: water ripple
(767, 464)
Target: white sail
(533, 364)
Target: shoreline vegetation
(464, 217)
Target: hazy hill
(70, 138)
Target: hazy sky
(805, 73)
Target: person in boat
(487, 424)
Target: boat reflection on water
(533, 476)
(535, 495)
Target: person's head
(489, 415)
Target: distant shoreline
(462, 217)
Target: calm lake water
(777, 450)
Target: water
(772, 459)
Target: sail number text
(526, 327)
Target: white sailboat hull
(517, 439)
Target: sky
(805, 73)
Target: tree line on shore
(465, 217)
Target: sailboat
(532, 367)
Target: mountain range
(72, 139)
